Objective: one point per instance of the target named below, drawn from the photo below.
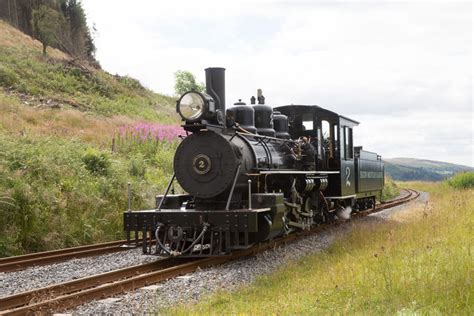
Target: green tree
(49, 27)
(81, 38)
(185, 81)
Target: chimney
(215, 86)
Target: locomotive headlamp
(193, 106)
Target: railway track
(48, 257)
(66, 295)
(410, 196)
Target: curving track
(73, 293)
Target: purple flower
(148, 131)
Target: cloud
(385, 64)
(430, 134)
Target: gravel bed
(39, 276)
(229, 276)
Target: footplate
(194, 233)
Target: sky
(402, 69)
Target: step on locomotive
(254, 172)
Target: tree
(81, 38)
(49, 26)
(185, 81)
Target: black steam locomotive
(255, 172)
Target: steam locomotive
(254, 172)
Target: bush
(96, 162)
(8, 77)
(463, 180)
(137, 166)
(390, 189)
(130, 82)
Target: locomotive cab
(332, 135)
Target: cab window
(327, 138)
(348, 145)
(308, 121)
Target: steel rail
(51, 291)
(70, 294)
(47, 257)
(66, 295)
(410, 196)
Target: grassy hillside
(409, 169)
(72, 137)
(417, 263)
(64, 82)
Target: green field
(419, 262)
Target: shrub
(8, 77)
(130, 82)
(137, 166)
(96, 162)
(390, 189)
(463, 180)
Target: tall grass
(150, 148)
(63, 192)
(418, 263)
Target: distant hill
(407, 169)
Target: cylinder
(215, 86)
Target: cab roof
(323, 113)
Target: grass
(24, 70)
(64, 171)
(95, 91)
(59, 193)
(420, 262)
(12, 37)
(18, 119)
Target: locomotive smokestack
(215, 86)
